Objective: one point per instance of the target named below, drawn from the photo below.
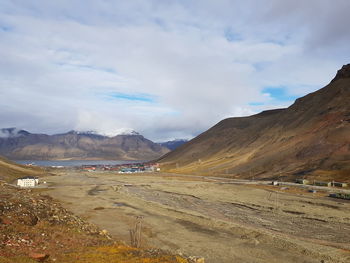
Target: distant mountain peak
(71, 132)
(343, 73)
(83, 132)
(172, 145)
(180, 140)
(12, 132)
(129, 132)
(88, 132)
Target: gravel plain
(212, 218)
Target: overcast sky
(167, 69)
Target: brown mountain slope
(311, 137)
(75, 145)
(10, 171)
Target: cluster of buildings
(31, 181)
(321, 183)
(124, 168)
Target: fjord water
(72, 163)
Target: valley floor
(223, 222)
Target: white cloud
(202, 61)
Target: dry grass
(290, 190)
(118, 253)
(10, 171)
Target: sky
(166, 69)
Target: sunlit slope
(312, 136)
(10, 171)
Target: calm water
(71, 163)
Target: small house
(89, 168)
(274, 183)
(301, 181)
(28, 181)
(339, 184)
(319, 183)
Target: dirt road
(203, 217)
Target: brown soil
(34, 227)
(221, 221)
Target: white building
(28, 181)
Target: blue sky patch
(87, 67)
(259, 66)
(256, 103)
(132, 97)
(5, 28)
(232, 36)
(279, 93)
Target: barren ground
(212, 218)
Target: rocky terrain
(310, 138)
(23, 145)
(34, 227)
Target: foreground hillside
(33, 228)
(75, 145)
(10, 171)
(311, 137)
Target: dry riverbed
(219, 221)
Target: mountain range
(172, 145)
(309, 138)
(20, 144)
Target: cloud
(164, 68)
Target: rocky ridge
(343, 73)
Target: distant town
(123, 168)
